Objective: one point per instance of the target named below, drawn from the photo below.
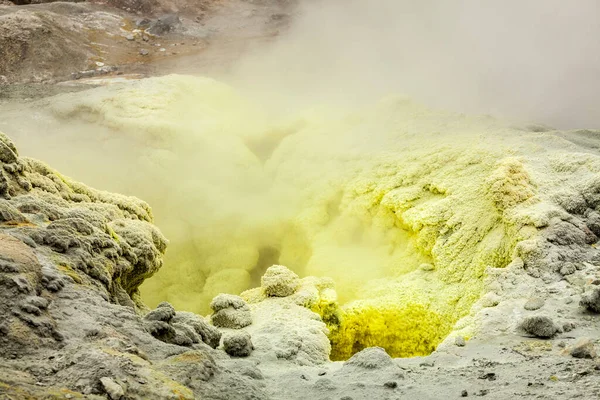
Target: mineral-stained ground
(464, 247)
(378, 250)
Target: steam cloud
(209, 181)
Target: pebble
(534, 303)
(144, 52)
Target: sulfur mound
(414, 213)
(279, 281)
(370, 358)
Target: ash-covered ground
(301, 234)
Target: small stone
(460, 341)
(534, 303)
(238, 344)
(162, 49)
(279, 281)
(464, 393)
(130, 37)
(584, 348)
(112, 388)
(490, 376)
(539, 326)
(591, 300)
(144, 52)
(568, 326)
(391, 385)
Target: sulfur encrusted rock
(279, 281)
(206, 332)
(230, 311)
(71, 261)
(238, 344)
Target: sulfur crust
(363, 196)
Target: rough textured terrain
(81, 43)
(305, 248)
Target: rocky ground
(75, 326)
(79, 43)
(508, 230)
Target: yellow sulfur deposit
(402, 206)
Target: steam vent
(293, 242)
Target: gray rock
(144, 52)
(539, 326)
(238, 344)
(584, 348)
(279, 281)
(568, 269)
(207, 333)
(591, 300)
(161, 330)
(163, 312)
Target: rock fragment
(584, 348)
(230, 311)
(279, 281)
(163, 312)
(460, 341)
(591, 300)
(539, 326)
(207, 333)
(112, 388)
(238, 344)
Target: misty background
(529, 60)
